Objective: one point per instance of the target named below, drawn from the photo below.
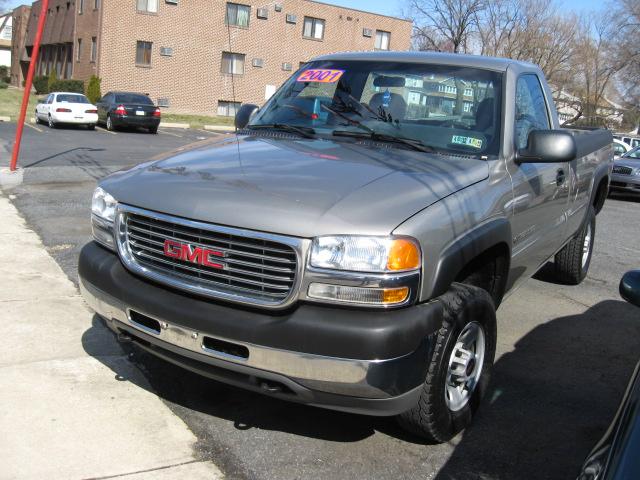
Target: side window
(50, 99)
(531, 109)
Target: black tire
(38, 121)
(569, 265)
(431, 417)
(91, 126)
(109, 124)
(153, 130)
(51, 123)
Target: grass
(10, 101)
(196, 121)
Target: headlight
(103, 210)
(365, 254)
(103, 205)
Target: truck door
(540, 190)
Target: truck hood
(296, 187)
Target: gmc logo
(191, 254)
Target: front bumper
(361, 361)
(625, 183)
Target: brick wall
(87, 25)
(196, 32)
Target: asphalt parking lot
(564, 353)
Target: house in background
(6, 26)
(201, 56)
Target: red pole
(44, 6)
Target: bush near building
(76, 86)
(53, 78)
(93, 89)
(4, 74)
(41, 84)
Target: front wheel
(460, 367)
(572, 262)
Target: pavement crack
(143, 471)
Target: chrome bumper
(348, 377)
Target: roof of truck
(453, 59)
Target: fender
(466, 248)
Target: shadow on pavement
(551, 399)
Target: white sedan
(65, 107)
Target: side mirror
(548, 146)
(630, 287)
(243, 116)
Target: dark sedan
(126, 109)
(616, 456)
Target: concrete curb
(219, 128)
(174, 125)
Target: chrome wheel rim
(465, 366)
(50, 123)
(586, 246)
(109, 124)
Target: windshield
(635, 153)
(133, 98)
(454, 109)
(66, 98)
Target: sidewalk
(64, 413)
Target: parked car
(67, 108)
(348, 247)
(127, 109)
(630, 140)
(625, 177)
(619, 148)
(615, 457)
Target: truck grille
(620, 170)
(257, 268)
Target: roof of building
(361, 11)
(453, 59)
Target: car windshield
(69, 98)
(635, 153)
(133, 98)
(453, 109)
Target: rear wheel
(153, 130)
(460, 366)
(572, 262)
(91, 126)
(110, 126)
(51, 123)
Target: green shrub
(4, 74)
(41, 84)
(53, 78)
(93, 89)
(76, 86)
(3, 85)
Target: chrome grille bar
(244, 266)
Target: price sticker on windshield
(320, 75)
(466, 141)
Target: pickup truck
(348, 246)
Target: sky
(394, 7)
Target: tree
(444, 25)
(93, 89)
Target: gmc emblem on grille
(189, 253)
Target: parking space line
(171, 133)
(105, 130)
(38, 129)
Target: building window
(96, 4)
(94, 48)
(150, 6)
(232, 63)
(313, 28)
(382, 40)
(238, 15)
(468, 92)
(80, 7)
(79, 50)
(227, 109)
(143, 53)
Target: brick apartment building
(192, 57)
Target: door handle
(560, 177)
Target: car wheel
(51, 123)
(109, 123)
(153, 130)
(91, 126)
(38, 121)
(572, 262)
(460, 366)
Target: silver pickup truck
(348, 246)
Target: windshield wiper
(383, 137)
(306, 132)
